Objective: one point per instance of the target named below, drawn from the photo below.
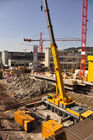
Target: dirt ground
(82, 99)
(10, 101)
(9, 129)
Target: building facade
(14, 59)
(69, 58)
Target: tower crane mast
(83, 40)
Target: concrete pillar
(47, 57)
(5, 57)
(35, 54)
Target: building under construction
(14, 59)
(70, 58)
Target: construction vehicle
(59, 102)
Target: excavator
(59, 102)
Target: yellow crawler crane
(59, 102)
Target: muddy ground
(20, 91)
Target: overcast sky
(23, 18)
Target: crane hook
(41, 7)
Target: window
(49, 97)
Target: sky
(23, 18)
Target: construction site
(48, 95)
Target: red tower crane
(41, 41)
(83, 40)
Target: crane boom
(54, 53)
(57, 39)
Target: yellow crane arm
(54, 53)
(59, 77)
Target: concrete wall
(15, 63)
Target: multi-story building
(69, 58)
(14, 59)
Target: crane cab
(59, 101)
(52, 98)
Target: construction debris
(9, 129)
(25, 86)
